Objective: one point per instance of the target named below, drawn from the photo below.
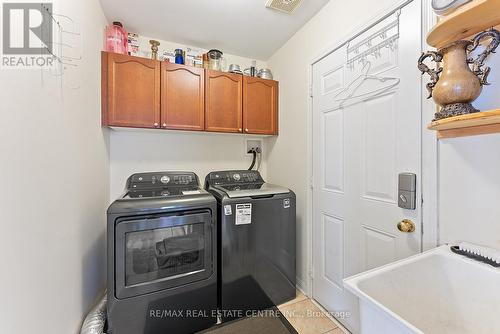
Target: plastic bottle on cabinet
(116, 39)
(179, 56)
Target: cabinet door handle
(164, 125)
(156, 125)
(246, 130)
(240, 130)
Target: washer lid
(253, 189)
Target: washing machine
(256, 249)
(162, 268)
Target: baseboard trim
(339, 325)
(301, 285)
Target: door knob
(246, 130)
(406, 226)
(164, 125)
(156, 125)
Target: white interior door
(365, 132)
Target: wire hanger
(354, 85)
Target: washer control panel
(234, 177)
(162, 179)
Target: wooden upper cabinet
(144, 93)
(223, 102)
(182, 97)
(130, 91)
(260, 106)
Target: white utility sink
(436, 292)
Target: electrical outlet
(253, 143)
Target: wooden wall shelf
(467, 20)
(468, 125)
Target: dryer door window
(156, 253)
(164, 253)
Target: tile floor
(307, 318)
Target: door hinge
(311, 274)
(311, 183)
(310, 91)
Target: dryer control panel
(235, 177)
(162, 180)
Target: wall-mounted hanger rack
(350, 90)
(389, 34)
(360, 52)
(60, 55)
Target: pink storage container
(116, 38)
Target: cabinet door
(182, 97)
(260, 106)
(223, 102)
(131, 91)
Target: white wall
(469, 178)
(287, 160)
(54, 188)
(133, 151)
(469, 186)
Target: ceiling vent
(286, 6)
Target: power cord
(255, 151)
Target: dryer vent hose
(95, 321)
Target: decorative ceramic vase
(154, 49)
(455, 85)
